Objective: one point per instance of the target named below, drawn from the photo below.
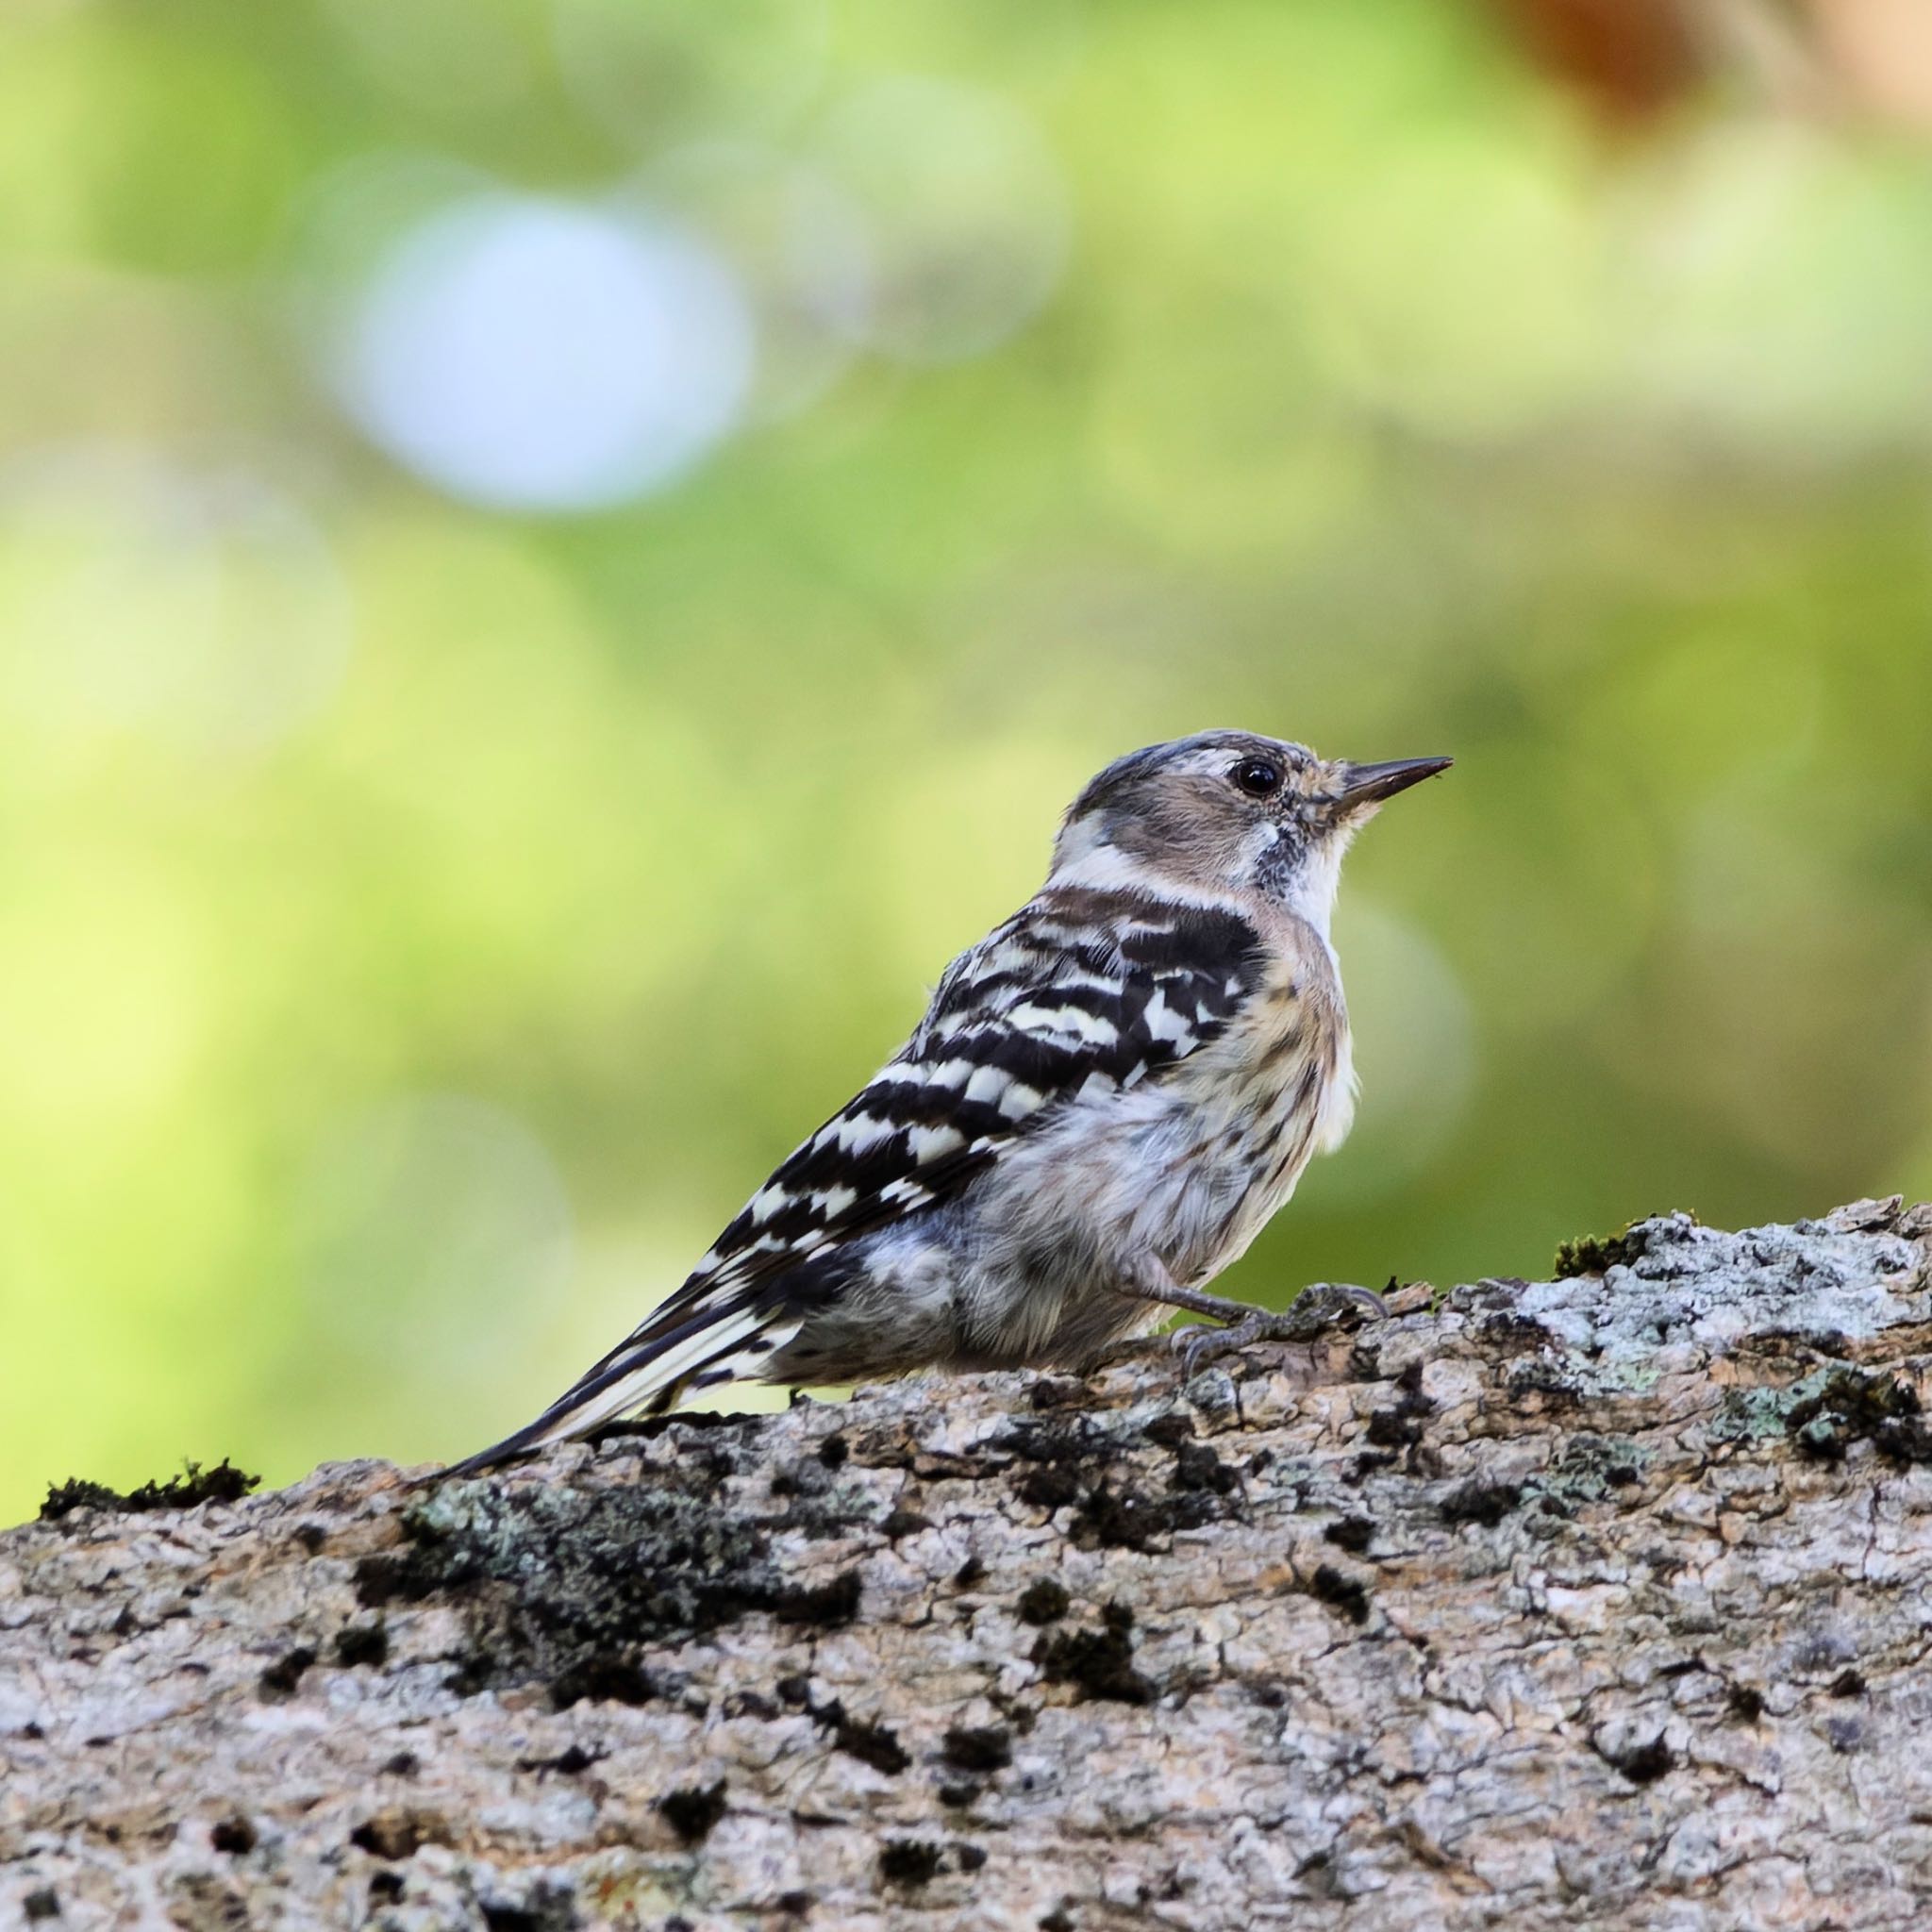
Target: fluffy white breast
(1337, 1115)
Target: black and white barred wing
(1079, 995)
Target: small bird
(1108, 1097)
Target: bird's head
(1228, 812)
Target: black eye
(1258, 777)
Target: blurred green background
(558, 558)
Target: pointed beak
(1365, 785)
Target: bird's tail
(676, 1352)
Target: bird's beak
(1366, 785)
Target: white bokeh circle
(539, 355)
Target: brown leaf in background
(1633, 61)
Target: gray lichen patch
(1760, 1411)
(576, 1587)
(1592, 1469)
(1680, 1285)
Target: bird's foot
(1314, 1311)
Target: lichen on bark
(1599, 1601)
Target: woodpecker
(1108, 1098)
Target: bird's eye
(1259, 777)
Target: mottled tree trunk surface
(1599, 1602)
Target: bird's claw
(1314, 1309)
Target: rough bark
(1600, 1601)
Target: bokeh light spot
(966, 208)
(544, 355)
(198, 604)
(800, 249)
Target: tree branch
(1599, 1601)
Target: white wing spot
(1019, 1100)
(987, 1085)
(1084, 1026)
(1163, 1023)
(932, 1143)
(861, 1132)
(768, 1201)
(1009, 956)
(1075, 977)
